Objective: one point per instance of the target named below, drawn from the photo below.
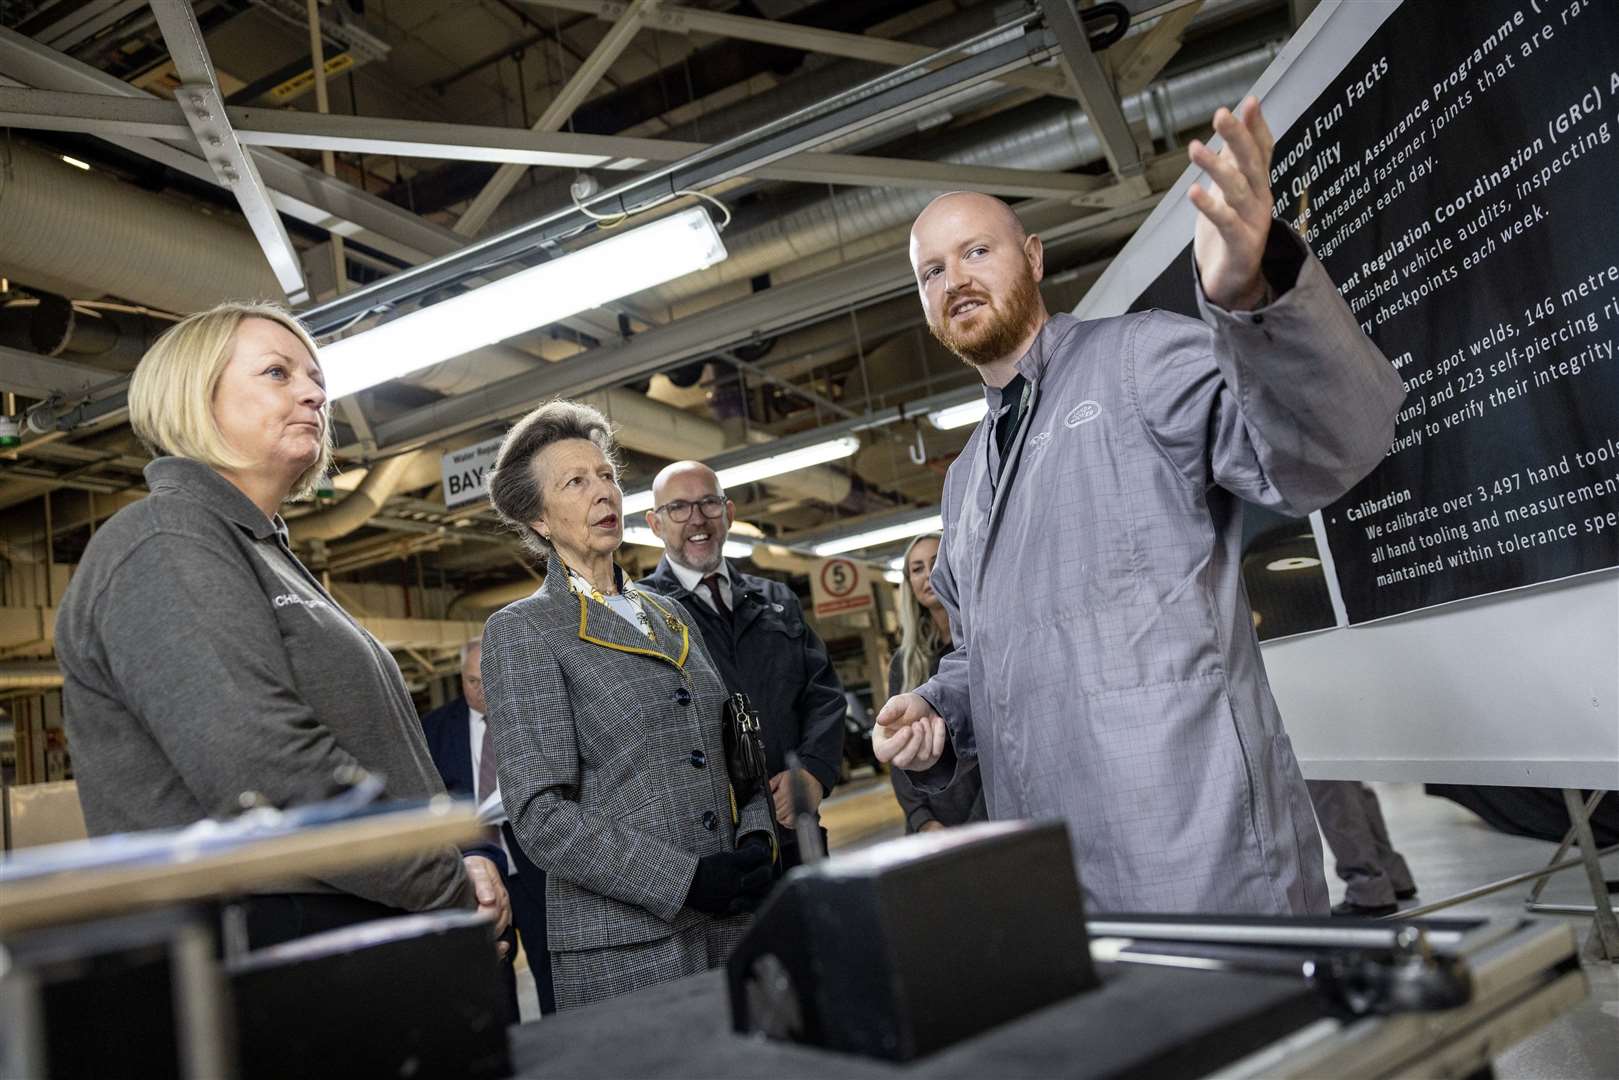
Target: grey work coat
(612, 771)
(1107, 672)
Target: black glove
(762, 841)
(731, 882)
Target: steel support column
(578, 86)
(203, 106)
(1091, 85)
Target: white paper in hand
(491, 811)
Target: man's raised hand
(1234, 213)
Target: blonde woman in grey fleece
(201, 660)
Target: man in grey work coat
(1106, 670)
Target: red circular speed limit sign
(839, 577)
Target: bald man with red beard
(1106, 670)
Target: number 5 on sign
(841, 587)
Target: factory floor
(1449, 851)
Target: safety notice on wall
(841, 587)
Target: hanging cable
(709, 198)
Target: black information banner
(1460, 180)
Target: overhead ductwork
(359, 506)
(85, 234)
(492, 598)
(30, 675)
(423, 471)
(105, 335)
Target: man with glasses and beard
(1106, 670)
(756, 634)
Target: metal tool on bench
(805, 826)
(1406, 976)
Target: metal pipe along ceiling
(30, 675)
(68, 228)
(358, 507)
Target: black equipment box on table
(965, 953)
(1142, 1022)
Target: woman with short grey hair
(606, 712)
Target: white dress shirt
(693, 581)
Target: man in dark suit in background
(756, 633)
(459, 740)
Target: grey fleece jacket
(201, 660)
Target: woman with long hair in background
(924, 641)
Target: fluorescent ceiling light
(791, 461)
(894, 576)
(639, 534)
(639, 502)
(588, 278)
(954, 416)
(902, 531)
(76, 163)
(897, 562)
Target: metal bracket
(204, 110)
(1095, 94)
(1603, 943)
(203, 107)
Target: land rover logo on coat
(1083, 413)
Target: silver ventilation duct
(85, 234)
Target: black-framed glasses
(679, 510)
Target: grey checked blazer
(612, 771)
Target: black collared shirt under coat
(767, 651)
